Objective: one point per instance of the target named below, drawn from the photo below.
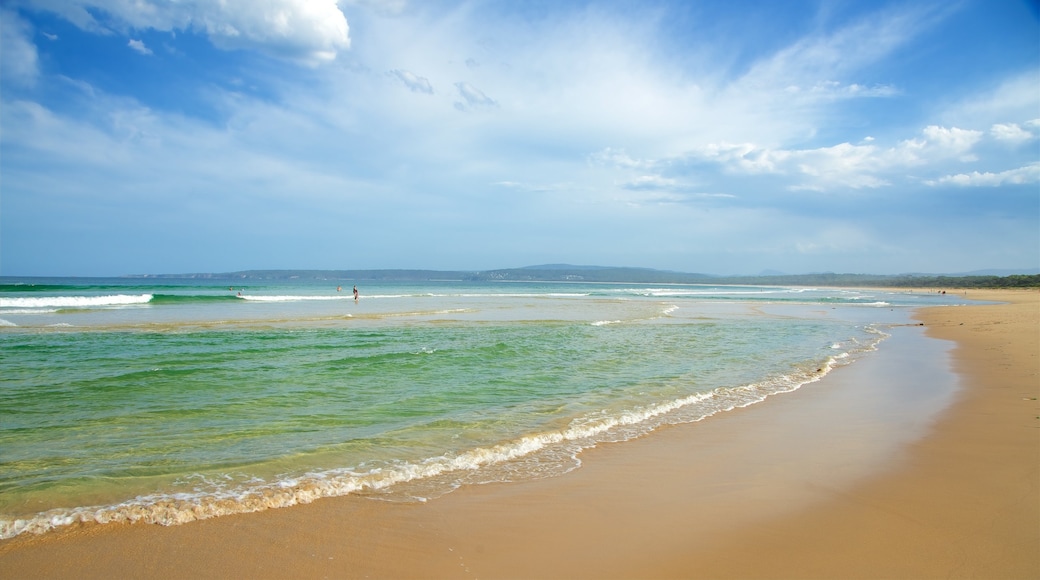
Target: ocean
(168, 401)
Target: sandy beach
(830, 481)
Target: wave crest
(75, 301)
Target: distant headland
(608, 274)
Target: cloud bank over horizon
(154, 137)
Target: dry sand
(832, 481)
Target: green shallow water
(208, 404)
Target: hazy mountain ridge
(604, 274)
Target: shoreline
(965, 504)
(786, 488)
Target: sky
(720, 137)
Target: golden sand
(818, 483)
(966, 503)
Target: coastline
(808, 484)
(965, 504)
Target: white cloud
(415, 83)
(952, 142)
(1023, 175)
(139, 46)
(1010, 133)
(743, 157)
(19, 62)
(843, 165)
(308, 31)
(938, 143)
(855, 166)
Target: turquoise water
(126, 401)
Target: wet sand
(834, 480)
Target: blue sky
(717, 137)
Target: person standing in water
(355, 293)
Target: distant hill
(897, 281)
(322, 275)
(564, 273)
(570, 273)
(1020, 272)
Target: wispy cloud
(845, 165)
(817, 64)
(1012, 98)
(655, 183)
(415, 83)
(1012, 133)
(619, 158)
(19, 60)
(472, 98)
(1020, 176)
(139, 46)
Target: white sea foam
(605, 322)
(424, 313)
(6, 323)
(326, 297)
(289, 298)
(75, 301)
(711, 291)
(524, 295)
